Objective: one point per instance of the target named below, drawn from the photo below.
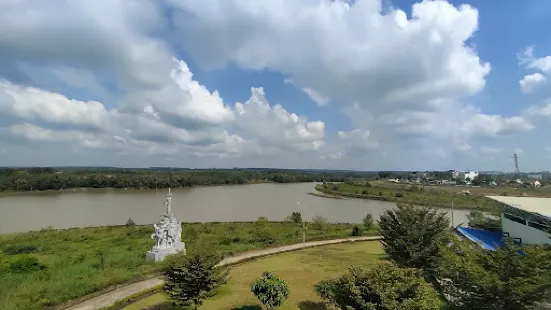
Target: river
(101, 207)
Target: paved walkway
(108, 299)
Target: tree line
(30, 179)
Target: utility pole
(303, 228)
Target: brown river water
(101, 207)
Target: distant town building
(535, 176)
(454, 173)
(537, 183)
(468, 176)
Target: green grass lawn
(300, 269)
(45, 268)
(430, 196)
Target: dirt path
(108, 299)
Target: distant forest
(40, 179)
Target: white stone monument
(167, 235)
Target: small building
(526, 219)
(537, 184)
(469, 176)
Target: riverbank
(45, 268)
(409, 195)
(42, 179)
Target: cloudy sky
(365, 84)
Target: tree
(190, 281)
(412, 237)
(508, 278)
(477, 181)
(270, 290)
(381, 286)
(296, 217)
(356, 231)
(368, 222)
(130, 222)
(478, 220)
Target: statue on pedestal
(167, 235)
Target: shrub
(335, 187)
(19, 248)
(365, 192)
(319, 223)
(190, 233)
(380, 193)
(397, 195)
(477, 219)
(356, 231)
(367, 184)
(383, 286)
(270, 290)
(26, 264)
(368, 222)
(130, 222)
(264, 235)
(190, 280)
(262, 219)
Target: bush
(190, 233)
(262, 220)
(335, 187)
(270, 290)
(19, 248)
(368, 222)
(383, 286)
(478, 220)
(264, 235)
(356, 231)
(26, 264)
(319, 223)
(130, 222)
(365, 192)
(397, 195)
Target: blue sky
(367, 85)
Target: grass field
(45, 268)
(430, 196)
(301, 270)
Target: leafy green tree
(368, 222)
(188, 282)
(130, 222)
(296, 217)
(270, 290)
(412, 237)
(382, 286)
(505, 279)
(478, 220)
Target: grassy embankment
(430, 196)
(301, 270)
(45, 268)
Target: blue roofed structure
(488, 240)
